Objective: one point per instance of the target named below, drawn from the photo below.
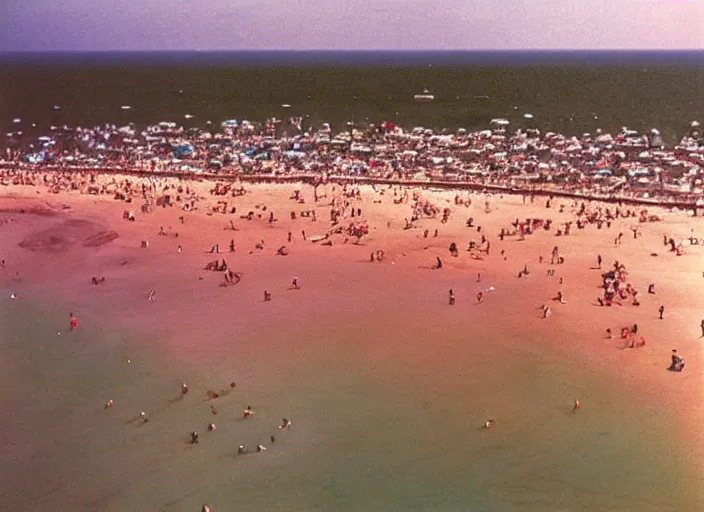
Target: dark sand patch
(67, 234)
(30, 210)
(100, 238)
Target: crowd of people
(346, 217)
(628, 162)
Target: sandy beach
(387, 386)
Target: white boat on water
(425, 97)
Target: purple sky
(350, 24)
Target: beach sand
(387, 386)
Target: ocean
(565, 91)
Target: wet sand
(387, 385)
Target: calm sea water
(571, 92)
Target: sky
(128, 25)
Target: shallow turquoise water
(376, 426)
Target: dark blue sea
(566, 91)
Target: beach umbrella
(183, 151)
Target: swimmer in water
(489, 423)
(194, 437)
(285, 424)
(247, 412)
(261, 448)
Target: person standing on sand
(451, 296)
(701, 324)
(73, 322)
(598, 260)
(661, 310)
(152, 294)
(295, 283)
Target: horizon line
(381, 50)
